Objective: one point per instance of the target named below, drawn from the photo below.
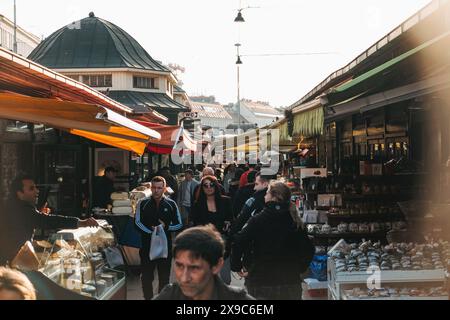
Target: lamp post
(239, 18)
(238, 62)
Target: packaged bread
(119, 196)
(122, 210)
(122, 203)
(141, 194)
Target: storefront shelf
(366, 216)
(336, 280)
(349, 235)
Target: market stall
(83, 263)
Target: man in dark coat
(244, 193)
(198, 254)
(103, 188)
(20, 217)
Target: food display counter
(83, 261)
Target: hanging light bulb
(239, 17)
(239, 61)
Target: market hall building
(105, 57)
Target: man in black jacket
(150, 213)
(244, 193)
(253, 205)
(21, 217)
(103, 188)
(198, 254)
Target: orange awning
(125, 144)
(83, 119)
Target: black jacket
(274, 260)
(17, 224)
(148, 215)
(223, 292)
(242, 195)
(201, 216)
(252, 207)
(102, 192)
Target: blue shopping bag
(130, 236)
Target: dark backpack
(301, 248)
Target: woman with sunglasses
(210, 206)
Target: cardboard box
(310, 216)
(377, 169)
(323, 216)
(365, 168)
(325, 200)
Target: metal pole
(239, 101)
(15, 29)
(238, 88)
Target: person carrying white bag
(156, 217)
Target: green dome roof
(93, 43)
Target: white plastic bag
(158, 246)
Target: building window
(75, 77)
(102, 80)
(17, 126)
(4, 37)
(144, 82)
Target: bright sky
(200, 36)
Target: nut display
(395, 292)
(395, 256)
(342, 228)
(326, 228)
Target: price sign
(193, 115)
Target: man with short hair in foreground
(198, 256)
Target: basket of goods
(342, 228)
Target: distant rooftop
(259, 107)
(210, 110)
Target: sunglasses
(208, 185)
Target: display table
(75, 264)
(340, 282)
